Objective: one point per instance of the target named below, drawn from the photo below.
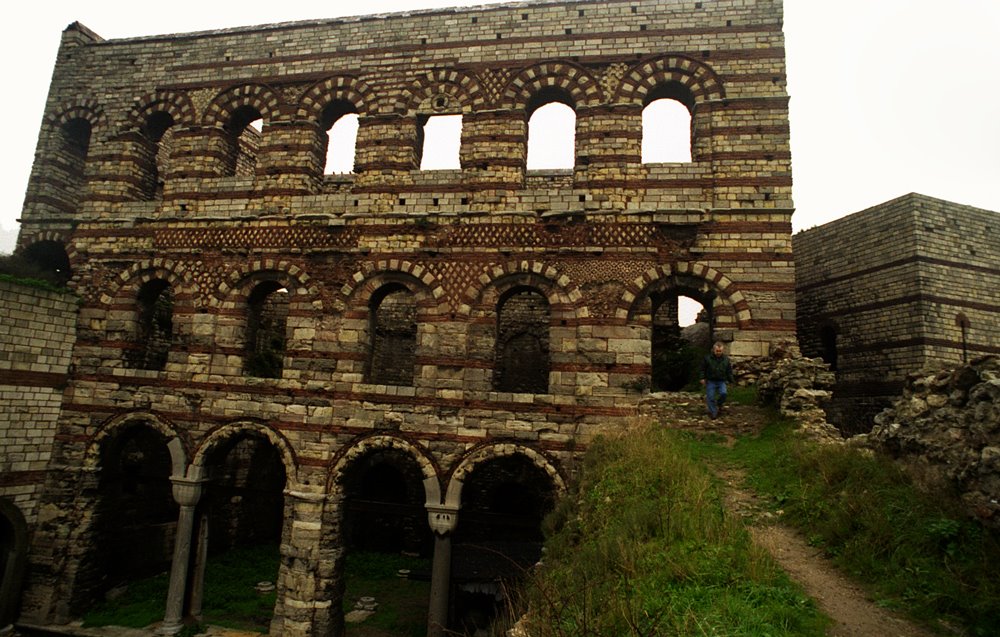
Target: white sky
(888, 96)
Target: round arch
(178, 105)
(332, 89)
(374, 442)
(492, 451)
(566, 77)
(444, 90)
(643, 78)
(261, 98)
(117, 424)
(730, 306)
(224, 433)
(563, 296)
(285, 272)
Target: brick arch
(261, 97)
(173, 272)
(25, 240)
(691, 275)
(223, 433)
(461, 89)
(372, 442)
(559, 290)
(114, 425)
(178, 105)
(305, 291)
(491, 451)
(87, 109)
(578, 83)
(338, 87)
(363, 283)
(645, 76)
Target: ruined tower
(259, 343)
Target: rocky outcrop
(946, 426)
(798, 386)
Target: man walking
(716, 371)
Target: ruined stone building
(889, 290)
(262, 352)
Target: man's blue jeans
(715, 395)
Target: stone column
(442, 519)
(187, 492)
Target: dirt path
(853, 612)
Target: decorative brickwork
(476, 325)
(907, 284)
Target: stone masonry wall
(37, 328)
(596, 242)
(891, 282)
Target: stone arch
(116, 424)
(372, 442)
(562, 294)
(448, 91)
(223, 433)
(420, 281)
(640, 80)
(571, 79)
(178, 105)
(173, 272)
(258, 96)
(48, 251)
(339, 87)
(490, 451)
(87, 109)
(306, 294)
(731, 305)
(12, 566)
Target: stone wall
(889, 289)
(37, 328)
(594, 245)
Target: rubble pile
(798, 386)
(946, 427)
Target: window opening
(154, 325)
(267, 316)
(522, 345)
(159, 139)
(828, 345)
(666, 124)
(393, 337)
(439, 142)
(75, 135)
(551, 132)
(245, 134)
(340, 121)
(51, 260)
(681, 336)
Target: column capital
(443, 518)
(187, 492)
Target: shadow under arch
(13, 560)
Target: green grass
(643, 547)
(143, 603)
(402, 609)
(915, 550)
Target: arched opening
(498, 537)
(244, 131)
(71, 157)
(681, 336)
(439, 142)
(667, 131)
(135, 517)
(50, 258)
(522, 342)
(153, 326)
(13, 554)
(267, 318)
(551, 131)
(340, 121)
(828, 346)
(387, 538)
(393, 330)
(241, 518)
(158, 137)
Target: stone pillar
(187, 492)
(197, 593)
(442, 519)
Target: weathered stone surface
(946, 424)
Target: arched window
(551, 131)
(522, 344)
(393, 330)
(244, 129)
(154, 325)
(340, 121)
(158, 139)
(439, 142)
(74, 138)
(666, 124)
(267, 317)
(681, 335)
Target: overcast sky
(888, 96)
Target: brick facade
(147, 175)
(891, 284)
